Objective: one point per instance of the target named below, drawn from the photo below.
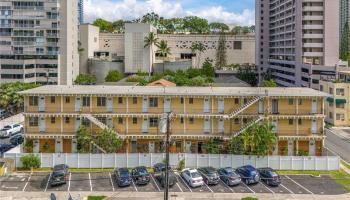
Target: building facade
(81, 11)
(39, 41)
(53, 114)
(297, 40)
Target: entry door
(314, 126)
(188, 147)
(314, 106)
(77, 104)
(110, 122)
(77, 123)
(42, 124)
(261, 106)
(206, 105)
(290, 148)
(145, 125)
(206, 126)
(67, 146)
(109, 104)
(221, 105)
(312, 148)
(145, 104)
(151, 147)
(133, 146)
(274, 106)
(274, 124)
(167, 104)
(41, 104)
(221, 126)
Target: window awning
(340, 101)
(330, 99)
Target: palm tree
(198, 48)
(150, 40)
(163, 50)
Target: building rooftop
(162, 82)
(170, 91)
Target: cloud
(131, 9)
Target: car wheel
(207, 182)
(246, 181)
(227, 182)
(267, 182)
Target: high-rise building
(344, 17)
(39, 41)
(297, 40)
(81, 11)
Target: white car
(192, 177)
(11, 130)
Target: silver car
(192, 177)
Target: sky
(232, 12)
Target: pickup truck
(11, 130)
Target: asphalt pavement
(338, 142)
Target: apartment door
(206, 105)
(151, 148)
(274, 124)
(188, 147)
(274, 106)
(167, 104)
(110, 122)
(77, 123)
(109, 104)
(41, 104)
(42, 124)
(77, 104)
(145, 104)
(314, 106)
(311, 148)
(221, 127)
(145, 125)
(261, 106)
(290, 148)
(221, 105)
(314, 126)
(133, 146)
(67, 146)
(206, 126)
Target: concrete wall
(100, 68)
(174, 66)
(89, 39)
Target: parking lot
(291, 184)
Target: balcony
(313, 54)
(312, 45)
(313, 26)
(312, 36)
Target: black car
(269, 176)
(159, 174)
(5, 147)
(59, 175)
(248, 174)
(229, 176)
(17, 139)
(122, 177)
(140, 175)
(210, 175)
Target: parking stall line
(70, 176)
(179, 187)
(286, 188)
(267, 187)
(25, 186)
(47, 183)
(134, 185)
(90, 182)
(249, 188)
(184, 182)
(110, 177)
(299, 185)
(155, 183)
(227, 186)
(208, 188)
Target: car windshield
(57, 174)
(272, 173)
(252, 173)
(124, 174)
(142, 172)
(7, 127)
(58, 167)
(195, 175)
(231, 173)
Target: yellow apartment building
(54, 113)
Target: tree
(198, 48)
(84, 139)
(237, 30)
(150, 40)
(245, 30)
(108, 141)
(9, 96)
(269, 83)
(113, 76)
(247, 73)
(221, 52)
(104, 25)
(85, 79)
(119, 26)
(213, 146)
(218, 27)
(163, 50)
(30, 161)
(344, 48)
(207, 68)
(196, 24)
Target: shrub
(30, 161)
(181, 164)
(113, 76)
(249, 198)
(85, 79)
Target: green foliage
(247, 73)
(218, 27)
(243, 30)
(181, 164)
(119, 26)
(104, 25)
(302, 153)
(9, 93)
(198, 48)
(344, 48)
(85, 79)
(207, 68)
(249, 198)
(108, 141)
(149, 41)
(163, 48)
(113, 76)
(221, 60)
(269, 83)
(30, 161)
(96, 197)
(195, 24)
(213, 146)
(199, 81)
(84, 140)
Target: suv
(192, 177)
(210, 176)
(140, 175)
(122, 177)
(17, 139)
(11, 130)
(159, 174)
(59, 175)
(269, 176)
(248, 174)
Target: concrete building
(297, 40)
(54, 113)
(39, 41)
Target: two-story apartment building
(54, 113)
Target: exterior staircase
(235, 112)
(99, 124)
(247, 126)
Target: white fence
(191, 160)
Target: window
(53, 120)
(120, 120)
(330, 90)
(33, 121)
(190, 100)
(33, 101)
(291, 121)
(321, 88)
(182, 120)
(330, 115)
(331, 104)
(67, 120)
(236, 121)
(340, 117)
(340, 91)
(340, 105)
(53, 99)
(299, 121)
(67, 99)
(236, 101)
(191, 119)
(153, 122)
(237, 45)
(153, 102)
(300, 101)
(182, 100)
(290, 101)
(134, 120)
(120, 100)
(134, 100)
(86, 101)
(101, 101)
(85, 122)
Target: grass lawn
(77, 170)
(96, 197)
(340, 177)
(345, 164)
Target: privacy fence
(191, 160)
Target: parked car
(192, 177)
(4, 114)
(11, 130)
(210, 175)
(17, 140)
(248, 174)
(140, 175)
(59, 175)
(269, 176)
(159, 174)
(122, 177)
(5, 147)
(229, 176)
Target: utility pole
(166, 130)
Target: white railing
(75, 160)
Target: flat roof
(170, 91)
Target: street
(339, 143)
